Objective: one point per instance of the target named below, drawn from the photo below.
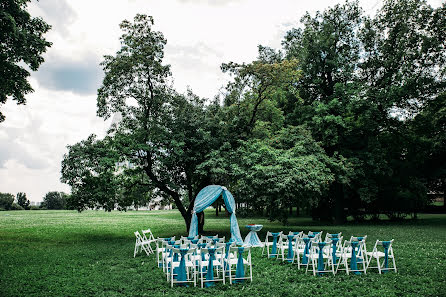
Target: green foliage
(154, 150)
(6, 200)
(98, 247)
(349, 116)
(21, 43)
(16, 206)
(22, 200)
(54, 200)
(363, 79)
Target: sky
(201, 35)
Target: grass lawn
(64, 253)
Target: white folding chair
(335, 249)
(352, 254)
(238, 264)
(141, 245)
(320, 259)
(385, 255)
(272, 239)
(287, 244)
(161, 250)
(211, 267)
(175, 267)
(363, 242)
(148, 236)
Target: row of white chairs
(331, 254)
(144, 242)
(197, 254)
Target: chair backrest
(297, 234)
(316, 234)
(331, 235)
(246, 254)
(175, 250)
(379, 245)
(270, 235)
(150, 236)
(218, 251)
(138, 236)
(315, 246)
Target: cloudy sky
(201, 34)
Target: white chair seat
(234, 262)
(214, 262)
(378, 254)
(177, 264)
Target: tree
(6, 200)
(22, 200)
(161, 138)
(55, 200)
(363, 80)
(328, 51)
(21, 43)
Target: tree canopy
(22, 42)
(346, 119)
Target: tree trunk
(338, 193)
(216, 210)
(200, 222)
(297, 211)
(291, 210)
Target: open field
(64, 253)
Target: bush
(55, 200)
(6, 200)
(34, 207)
(15, 206)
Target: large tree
(156, 146)
(22, 43)
(363, 78)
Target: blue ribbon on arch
(205, 198)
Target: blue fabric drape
(210, 272)
(353, 262)
(205, 198)
(274, 247)
(240, 270)
(320, 259)
(182, 276)
(386, 245)
(334, 242)
(360, 238)
(227, 246)
(336, 235)
(307, 246)
(175, 259)
(290, 254)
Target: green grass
(64, 253)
